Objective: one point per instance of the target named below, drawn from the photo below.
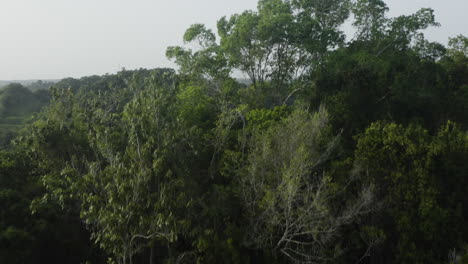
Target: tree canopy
(335, 150)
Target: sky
(54, 39)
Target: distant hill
(17, 100)
(17, 105)
(20, 100)
(33, 84)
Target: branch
(148, 236)
(293, 92)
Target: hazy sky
(53, 39)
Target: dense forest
(338, 149)
(17, 105)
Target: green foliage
(264, 118)
(198, 31)
(114, 193)
(207, 62)
(406, 164)
(458, 47)
(196, 107)
(288, 196)
(198, 167)
(360, 88)
(370, 19)
(48, 235)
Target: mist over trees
(333, 151)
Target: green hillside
(31, 84)
(17, 105)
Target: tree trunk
(151, 260)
